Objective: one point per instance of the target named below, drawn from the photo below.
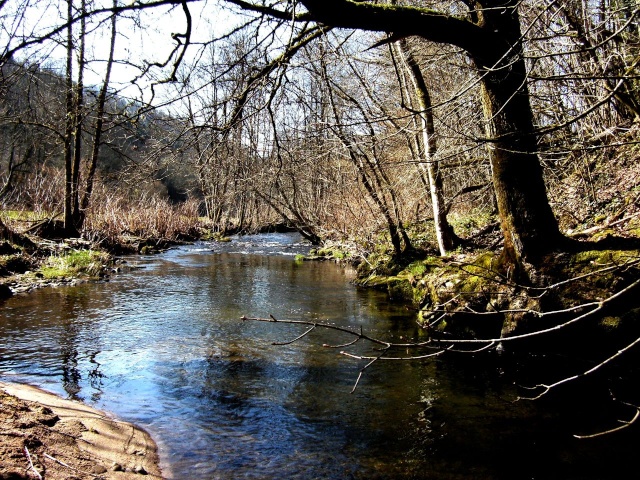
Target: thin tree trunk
(79, 114)
(444, 232)
(97, 131)
(69, 124)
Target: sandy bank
(45, 436)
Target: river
(163, 346)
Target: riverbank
(70, 261)
(45, 436)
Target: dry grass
(145, 218)
(109, 216)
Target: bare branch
(297, 338)
(547, 388)
(624, 425)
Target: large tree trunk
(528, 224)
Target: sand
(45, 436)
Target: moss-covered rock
(468, 295)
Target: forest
(477, 159)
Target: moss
(465, 224)
(417, 269)
(400, 289)
(22, 215)
(334, 253)
(211, 236)
(75, 263)
(610, 323)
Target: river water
(163, 346)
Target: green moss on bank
(471, 284)
(75, 263)
(337, 253)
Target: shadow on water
(164, 347)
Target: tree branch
(624, 425)
(403, 21)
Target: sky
(142, 38)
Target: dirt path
(44, 436)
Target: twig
(348, 344)
(60, 462)
(477, 350)
(313, 327)
(624, 425)
(547, 388)
(26, 451)
(355, 385)
(605, 225)
(381, 357)
(328, 326)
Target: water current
(163, 346)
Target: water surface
(164, 346)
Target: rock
(116, 467)
(139, 469)
(98, 469)
(5, 292)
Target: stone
(98, 469)
(5, 292)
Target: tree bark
(69, 123)
(527, 221)
(78, 116)
(97, 131)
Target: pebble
(98, 469)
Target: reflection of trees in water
(73, 336)
(95, 376)
(70, 373)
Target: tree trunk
(491, 35)
(97, 131)
(77, 133)
(69, 123)
(527, 221)
(444, 232)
